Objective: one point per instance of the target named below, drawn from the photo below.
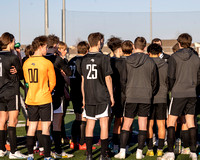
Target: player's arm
(63, 66)
(82, 90)
(16, 67)
(108, 80)
(123, 76)
(171, 72)
(52, 77)
(155, 80)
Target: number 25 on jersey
(92, 73)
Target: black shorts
(97, 111)
(118, 108)
(77, 106)
(134, 109)
(182, 106)
(158, 111)
(10, 104)
(40, 112)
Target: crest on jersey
(33, 64)
(92, 60)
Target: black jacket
(183, 73)
(161, 96)
(142, 78)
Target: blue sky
(124, 18)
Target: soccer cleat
(66, 155)
(139, 154)
(99, 143)
(104, 158)
(150, 153)
(48, 158)
(17, 155)
(84, 147)
(159, 152)
(7, 146)
(120, 155)
(193, 156)
(3, 153)
(89, 157)
(73, 145)
(185, 150)
(30, 158)
(168, 156)
(41, 153)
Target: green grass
(80, 155)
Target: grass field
(80, 155)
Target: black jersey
(59, 64)
(119, 79)
(75, 80)
(94, 67)
(9, 83)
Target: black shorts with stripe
(40, 112)
(11, 103)
(158, 111)
(182, 106)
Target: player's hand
(112, 101)
(13, 70)
(83, 104)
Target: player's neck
(153, 55)
(37, 53)
(138, 51)
(94, 49)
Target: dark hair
(140, 43)
(114, 43)
(176, 47)
(52, 40)
(62, 45)
(154, 49)
(28, 51)
(82, 47)
(39, 41)
(94, 38)
(5, 39)
(156, 40)
(185, 40)
(127, 47)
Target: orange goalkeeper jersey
(40, 75)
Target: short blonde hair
(62, 45)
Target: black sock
(170, 138)
(104, 146)
(39, 137)
(89, 145)
(161, 143)
(12, 139)
(47, 145)
(192, 137)
(75, 130)
(150, 143)
(30, 142)
(129, 138)
(178, 130)
(63, 133)
(124, 136)
(115, 139)
(185, 138)
(2, 140)
(82, 132)
(57, 141)
(141, 139)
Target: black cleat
(89, 157)
(104, 158)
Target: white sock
(31, 155)
(123, 150)
(41, 149)
(139, 150)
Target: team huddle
(122, 85)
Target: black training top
(75, 80)
(9, 83)
(94, 67)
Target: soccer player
(117, 63)
(40, 75)
(141, 85)
(79, 124)
(159, 102)
(183, 73)
(9, 95)
(97, 92)
(162, 55)
(59, 111)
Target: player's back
(37, 72)
(94, 68)
(8, 81)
